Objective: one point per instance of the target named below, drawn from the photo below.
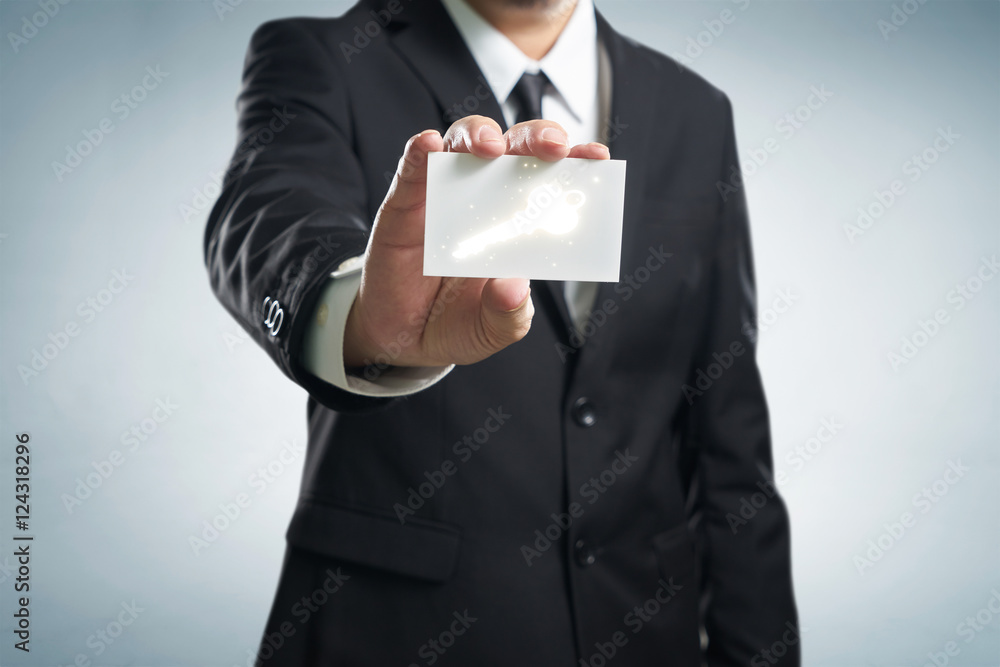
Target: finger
(591, 151)
(543, 139)
(408, 189)
(407, 193)
(478, 135)
(505, 315)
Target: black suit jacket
(574, 499)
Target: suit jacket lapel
(627, 135)
(427, 39)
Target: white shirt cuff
(323, 345)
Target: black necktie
(528, 95)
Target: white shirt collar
(571, 64)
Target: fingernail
(526, 299)
(488, 133)
(553, 136)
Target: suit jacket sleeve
(293, 201)
(747, 575)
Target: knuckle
(457, 138)
(488, 338)
(498, 333)
(462, 125)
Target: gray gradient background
(165, 336)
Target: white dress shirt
(579, 100)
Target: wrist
(357, 354)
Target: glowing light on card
(548, 209)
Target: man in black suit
(487, 484)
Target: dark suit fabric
(300, 198)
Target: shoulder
(323, 30)
(341, 37)
(668, 78)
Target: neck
(532, 27)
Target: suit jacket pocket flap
(419, 548)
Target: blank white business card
(521, 217)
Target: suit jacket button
(586, 555)
(584, 412)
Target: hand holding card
(404, 316)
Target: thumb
(403, 204)
(506, 311)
